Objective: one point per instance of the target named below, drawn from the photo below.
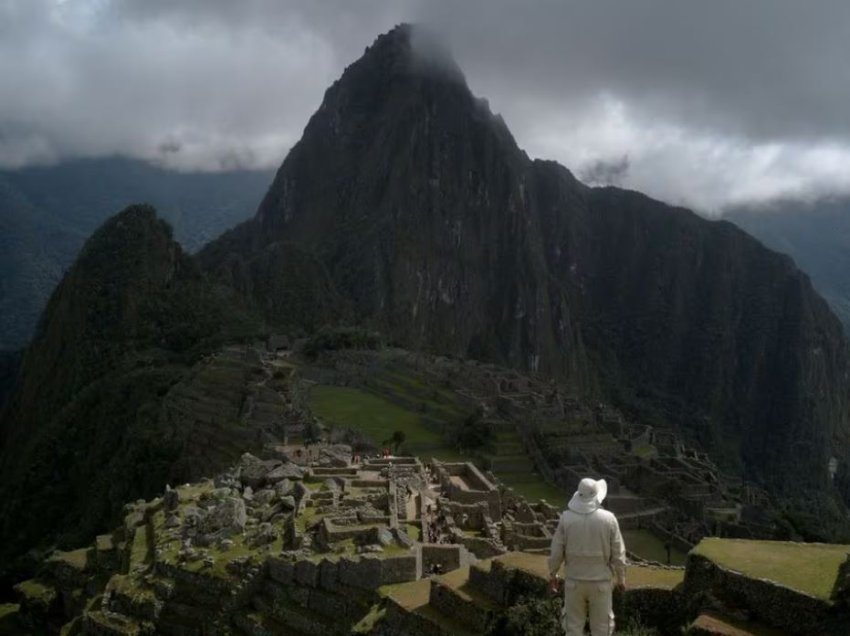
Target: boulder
(284, 471)
(385, 537)
(265, 496)
(330, 484)
(266, 534)
(253, 470)
(336, 456)
(225, 519)
(283, 488)
(171, 499)
(287, 503)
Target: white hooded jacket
(590, 546)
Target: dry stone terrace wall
(791, 611)
(305, 549)
(211, 552)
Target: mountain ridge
(408, 208)
(434, 227)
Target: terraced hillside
(380, 393)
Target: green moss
(413, 531)
(35, 590)
(77, 559)
(647, 546)
(367, 624)
(9, 621)
(810, 568)
(140, 551)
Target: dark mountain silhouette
(816, 234)
(408, 208)
(432, 226)
(46, 214)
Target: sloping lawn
(807, 567)
(378, 419)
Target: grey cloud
(713, 103)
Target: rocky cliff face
(430, 224)
(85, 429)
(407, 207)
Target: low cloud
(702, 104)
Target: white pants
(583, 599)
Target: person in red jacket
(589, 544)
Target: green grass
(77, 559)
(647, 546)
(533, 488)
(367, 624)
(9, 623)
(636, 576)
(378, 418)
(810, 568)
(413, 531)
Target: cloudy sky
(701, 103)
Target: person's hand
(620, 587)
(554, 586)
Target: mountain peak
(406, 51)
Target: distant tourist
(589, 545)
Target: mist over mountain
(46, 213)
(436, 229)
(408, 208)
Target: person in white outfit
(588, 543)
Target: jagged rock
(336, 456)
(172, 520)
(403, 538)
(283, 488)
(287, 503)
(330, 484)
(265, 534)
(248, 493)
(225, 545)
(284, 471)
(227, 518)
(253, 471)
(265, 496)
(171, 499)
(192, 517)
(227, 479)
(385, 537)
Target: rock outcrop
(410, 203)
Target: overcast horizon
(705, 106)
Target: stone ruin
(316, 540)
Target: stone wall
(841, 590)
(449, 557)
(367, 572)
(771, 603)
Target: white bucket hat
(589, 496)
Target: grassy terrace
(378, 418)
(810, 568)
(646, 545)
(636, 576)
(9, 625)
